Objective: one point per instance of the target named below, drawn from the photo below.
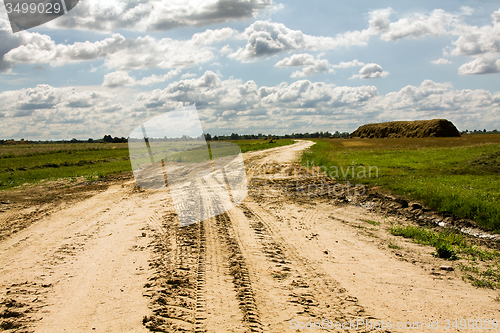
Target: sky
(250, 66)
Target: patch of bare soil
(290, 255)
(19, 208)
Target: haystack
(408, 129)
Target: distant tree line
(484, 131)
(105, 139)
(208, 137)
(315, 135)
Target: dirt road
(117, 261)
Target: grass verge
(252, 145)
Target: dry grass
(408, 129)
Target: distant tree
(208, 137)
(119, 140)
(107, 138)
(235, 136)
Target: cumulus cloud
(122, 78)
(11, 41)
(210, 36)
(441, 61)
(24, 102)
(226, 49)
(482, 43)
(481, 65)
(436, 23)
(475, 40)
(311, 66)
(157, 15)
(121, 53)
(371, 71)
(466, 10)
(347, 64)
(210, 92)
(268, 38)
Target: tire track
(240, 274)
(176, 288)
(308, 287)
(237, 267)
(200, 316)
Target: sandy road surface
(119, 262)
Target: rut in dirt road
(196, 267)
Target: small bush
(445, 251)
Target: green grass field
(454, 175)
(32, 163)
(252, 145)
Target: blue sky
(251, 66)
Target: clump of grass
(483, 266)
(393, 245)
(446, 251)
(375, 223)
(428, 237)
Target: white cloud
(371, 71)
(210, 92)
(122, 78)
(212, 36)
(441, 61)
(118, 79)
(25, 102)
(268, 38)
(477, 41)
(436, 23)
(11, 41)
(226, 49)
(311, 66)
(466, 10)
(481, 65)
(188, 76)
(482, 43)
(347, 64)
(297, 60)
(121, 53)
(157, 15)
